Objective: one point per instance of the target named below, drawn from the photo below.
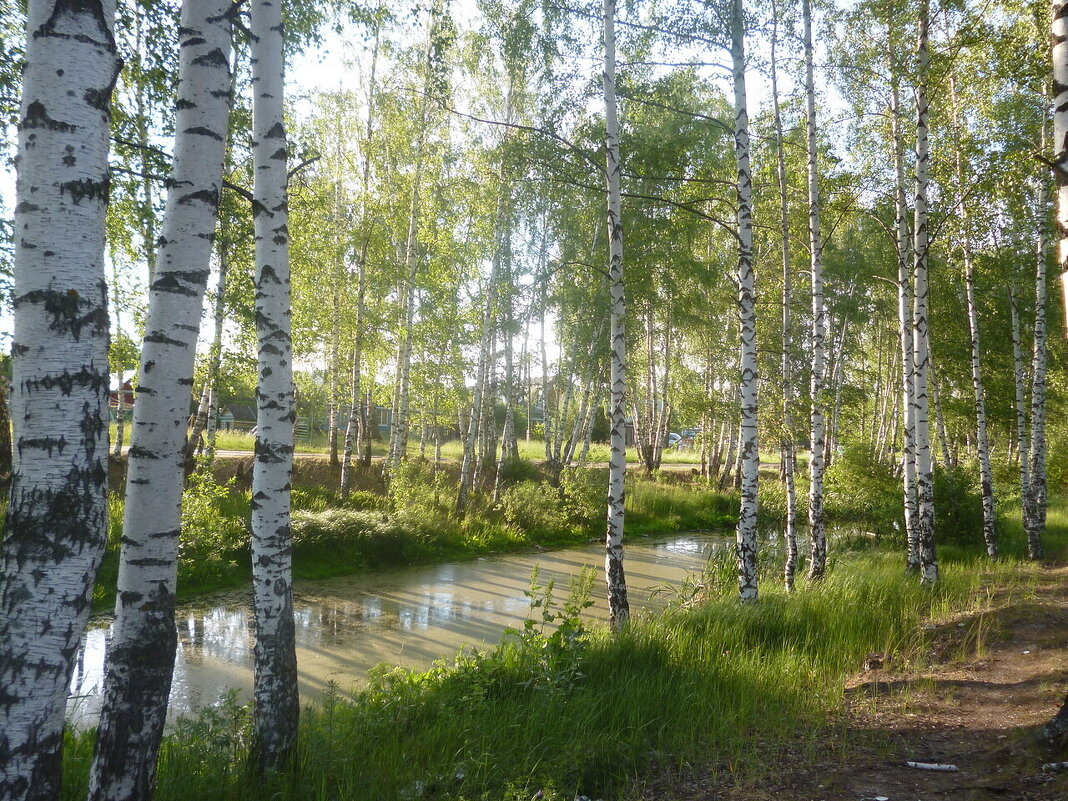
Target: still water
(407, 616)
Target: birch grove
(420, 249)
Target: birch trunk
(904, 321)
(398, 451)
(215, 354)
(120, 404)
(1034, 511)
(787, 440)
(56, 524)
(359, 423)
(141, 651)
(1055, 731)
(276, 705)
(817, 524)
(925, 520)
(1023, 447)
(746, 543)
(986, 475)
(618, 605)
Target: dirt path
(987, 683)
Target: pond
(408, 616)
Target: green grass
(588, 713)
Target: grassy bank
(567, 711)
(412, 522)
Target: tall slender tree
(748, 379)
(141, 652)
(275, 690)
(816, 518)
(925, 520)
(618, 605)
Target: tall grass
(589, 714)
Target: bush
(534, 507)
(958, 505)
(214, 530)
(861, 490)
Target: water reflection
(409, 617)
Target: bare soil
(976, 699)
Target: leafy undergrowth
(413, 522)
(563, 710)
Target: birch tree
(141, 651)
(275, 688)
(56, 524)
(788, 457)
(925, 534)
(904, 322)
(1034, 502)
(816, 520)
(748, 380)
(986, 474)
(618, 605)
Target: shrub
(860, 489)
(534, 508)
(214, 529)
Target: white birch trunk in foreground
(1034, 503)
(925, 535)
(56, 523)
(1057, 728)
(817, 524)
(141, 651)
(750, 458)
(904, 322)
(618, 605)
(788, 457)
(275, 689)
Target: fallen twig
(931, 766)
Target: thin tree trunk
(816, 521)
(215, 354)
(746, 541)
(924, 483)
(141, 651)
(275, 690)
(986, 474)
(904, 321)
(1034, 507)
(618, 605)
(787, 438)
(1023, 448)
(56, 523)
(120, 405)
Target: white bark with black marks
(618, 605)
(748, 380)
(56, 524)
(141, 651)
(904, 322)
(275, 687)
(816, 518)
(1023, 442)
(787, 438)
(1034, 502)
(925, 519)
(986, 473)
